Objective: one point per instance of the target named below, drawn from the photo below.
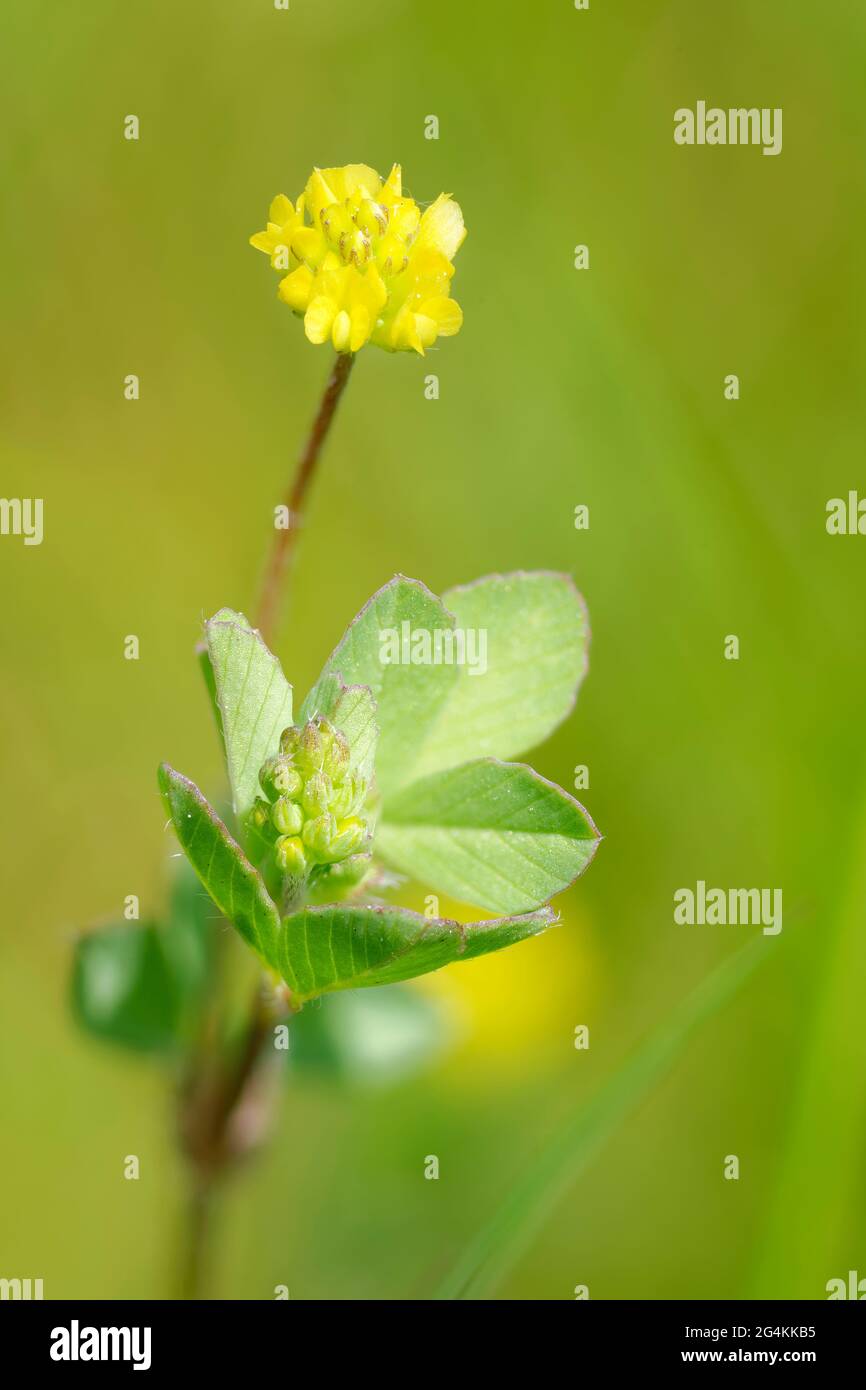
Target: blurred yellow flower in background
(364, 263)
(514, 1013)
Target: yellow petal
(354, 178)
(442, 227)
(392, 188)
(308, 244)
(405, 219)
(413, 339)
(426, 331)
(326, 186)
(262, 241)
(341, 331)
(403, 333)
(281, 210)
(318, 194)
(295, 289)
(319, 319)
(333, 280)
(361, 326)
(375, 295)
(445, 313)
(430, 265)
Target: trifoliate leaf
(254, 701)
(527, 635)
(235, 885)
(489, 670)
(123, 987)
(142, 985)
(341, 947)
(408, 696)
(490, 833)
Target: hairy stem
(212, 1138)
(198, 1216)
(217, 1087)
(285, 539)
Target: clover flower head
(364, 263)
(313, 814)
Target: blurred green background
(602, 387)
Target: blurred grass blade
(504, 1238)
(810, 1235)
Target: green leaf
(536, 639)
(407, 697)
(524, 640)
(235, 885)
(143, 984)
(352, 710)
(367, 1037)
(510, 1231)
(494, 834)
(123, 987)
(254, 701)
(342, 947)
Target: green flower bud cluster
(313, 814)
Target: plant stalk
(215, 1094)
(199, 1214)
(285, 538)
(212, 1139)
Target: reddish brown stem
(285, 539)
(218, 1086)
(216, 1089)
(212, 1140)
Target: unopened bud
(335, 760)
(342, 878)
(351, 871)
(309, 754)
(287, 816)
(317, 803)
(318, 836)
(349, 797)
(351, 834)
(290, 856)
(279, 777)
(289, 740)
(260, 817)
(318, 794)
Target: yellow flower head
(364, 263)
